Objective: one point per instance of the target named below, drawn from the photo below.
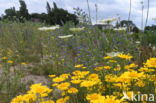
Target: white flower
(113, 54)
(153, 48)
(108, 20)
(65, 36)
(137, 42)
(77, 29)
(49, 28)
(120, 29)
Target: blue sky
(106, 8)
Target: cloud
(106, 8)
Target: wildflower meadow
(68, 59)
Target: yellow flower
(84, 67)
(110, 78)
(55, 84)
(112, 61)
(144, 69)
(111, 99)
(58, 79)
(87, 83)
(23, 63)
(49, 101)
(63, 86)
(130, 75)
(98, 68)
(131, 66)
(117, 68)
(65, 76)
(93, 97)
(75, 81)
(107, 57)
(125, 56)
(52, 76)
(29, 97)
(79, 74)
(39, 89)
(72, 90)
(79, 66)
(4, 58)
(93, 77)
(63, 100)
(18, 99)
(140, 83)
(151, 63)
(10, 61)
(107, 67)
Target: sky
(106, 8)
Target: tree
(55, 6)
(130, 24)
(23, 12)
(82, 16)
(59, 16)
(38, 17)
(48, 8)
(10, 13)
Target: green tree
(129, 24)
(23, 12)
(10, 13)
(59, 16)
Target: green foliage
(10, 13)
(59, 16)
(129, 25)
(46, 53)
(148, 38)
(23, 12)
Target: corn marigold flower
(18, 99)
(76, 81)
(39, 89)
(29, 97)
(58, 79)
(23, 63)
(131, 66)
(79, 66)
(63, 86)
(52, 76)
(10, 61)
(151, 63)
(63, 100)
(107, 67)
(4, 58)
(48, 101)
(144, 69)
(125, 56)
(98, 68)
(93, 97)
(112, 61)
(93, 77)
(72, 90)
(65, 76)
(107, 57)
(111, 99)
(87, 83)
